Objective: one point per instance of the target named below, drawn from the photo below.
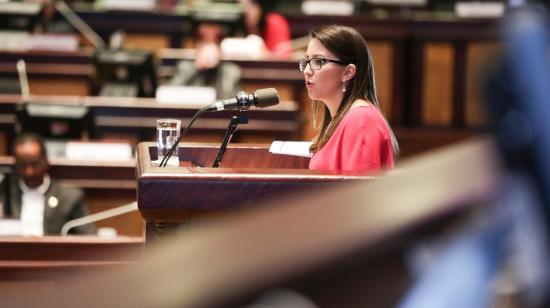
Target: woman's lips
(309, 84)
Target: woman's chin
(312, 96)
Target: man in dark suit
(38, 200)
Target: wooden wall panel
(131, 224)
(437, 85)
(59, 86)
(478, 56)
(382, 55)
(146, 41)
(4, 143)
(308, 132)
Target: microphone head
(266, 97)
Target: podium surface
(171, 196)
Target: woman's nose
(308, 71)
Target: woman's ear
(349, 72)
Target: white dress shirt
(32, 207)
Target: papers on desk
(295, 148)
(479, 9)
(134, 5)
(324, 7)
(398, 2)
(11, 227)
(53, 42)
(24, 41)
(14, 40)
(186, 95)
(251, 47)
(104, 151)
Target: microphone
(260, 98)
(243, 101)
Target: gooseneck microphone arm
(130, 207)
(260, 98)
(166, 157)
(79, 24)
(242, 118)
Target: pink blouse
(277, 34)
(361, 143)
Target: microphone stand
(130, 207)
(242, 118)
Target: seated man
(42, 205)
(207, 70)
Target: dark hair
(30, 138)
(348, 46)
(266, 6)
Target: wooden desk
(38, 263)
(164, 28)
(70, 73)
(134, 119)
(282, 74)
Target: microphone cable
(166, 157)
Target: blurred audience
(260, 19)
(38, 200)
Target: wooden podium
(173, 197)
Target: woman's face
(324, 84)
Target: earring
(343, 87)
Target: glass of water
(168, 132)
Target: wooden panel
(478, 55)
(417, 141)
(59, 86)
(130, 224)
(4, 143)
(306, 117)
(382, 55)
(145, 41)
(437, 84)
(249, 173)
(133, 119)
(33, 264)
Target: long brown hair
(348, 46)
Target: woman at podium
(339, 72)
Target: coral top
(361, 143)
(277, 34)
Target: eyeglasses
(315, 63)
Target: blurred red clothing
(277, 34)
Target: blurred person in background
(38, 200)
(273, 28)
(207, 69)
